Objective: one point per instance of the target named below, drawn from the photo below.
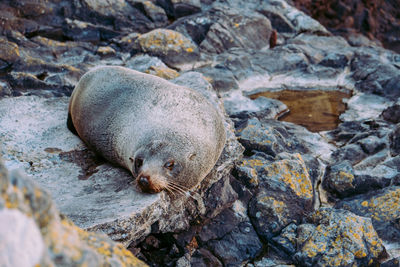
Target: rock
(180, 8)
(286, 18)
(152, 11)
(106, 51)
(172, 47)
(221, 79)
(5, 89)
(237, 30)
(237, 247)
(374, 20)
(204, 258)
(395, 141)
(9, 54)
(285, 194)
(392, 114)
(34, 224)
(355, 107)
(381, 207)
(120, 14)
(374, 76)
(337, 238)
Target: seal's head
(162, 165)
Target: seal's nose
(144, 181)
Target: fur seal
(168, 136)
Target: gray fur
(122, 113)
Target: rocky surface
(279, 195)
(361, 22)
(30, 222)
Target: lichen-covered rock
(9, 53)
(336, 238)
(382, 206)
(172, 47)
(285, 194)
(30, 222)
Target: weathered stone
(34, 224)
(151, 10)
(9, 53)
(221, 79)
(337, 238)
(285, 195)
(180, 8)
(5, 89)
(204, 258)
(392, 114)
(237, 30)
(339, 178)
(395, 141)
(237, 247)
(374, 76)
(172, 47)
(381, 206)
(119, 14)
(106, 51)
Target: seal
(168, 136)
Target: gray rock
(237, 247)
(30, 221)
(237, 29)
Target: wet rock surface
(279, 195)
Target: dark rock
(285, 194)
(221, 79)
(373, 76)
(9, 54)
(219, 197)
(223, 28)
(336, 238)
(152, 11)
(180, 8)
(278, 21)
(219, 226)
(376, 20)
(339, 178)
(254, 135)
(391, 263)
(392, 114)
(237, 247)
(382, 207)
(395, 141)
(5, 89)
(335, 61)
(372, 144)
(204, 258)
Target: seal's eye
(138, 164)
(169, 165)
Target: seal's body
(167, 135)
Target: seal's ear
(131, 159)
(192, 156)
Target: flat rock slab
(90, 192)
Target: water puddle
(316, 110)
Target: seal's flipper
(70, 125)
